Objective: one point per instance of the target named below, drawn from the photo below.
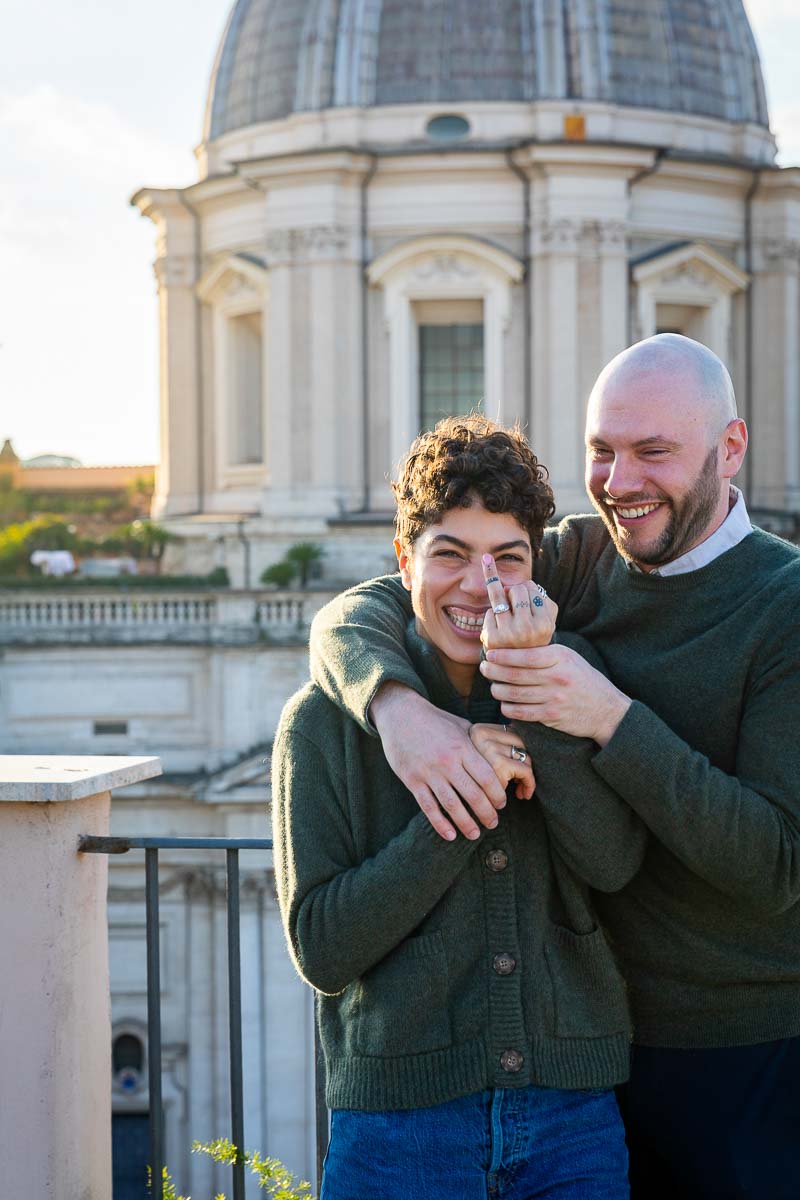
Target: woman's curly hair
(465, 457)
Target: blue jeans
(504, 1144)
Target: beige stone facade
(293, 275)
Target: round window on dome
(447, 128)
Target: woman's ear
(404, 563)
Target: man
(697, 617)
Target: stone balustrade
(136, 616)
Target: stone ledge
(44, 778)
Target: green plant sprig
(273, 1177)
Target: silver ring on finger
(518, 755)
(500, 608)
(541, 591)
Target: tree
(302, 556)
(18, 542)
(145, 539)
(280, 574)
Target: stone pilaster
(775, 407)
(179, 483)
(557, 418)
(315, 413)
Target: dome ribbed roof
(279, 57)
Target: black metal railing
(151, 846)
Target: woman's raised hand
(521, 616)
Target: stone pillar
(581, 205)
(612, 244)
(558, 412)
(179, 485)
(315, 424)
(280, 382)
(775, 408)
(55, 1032)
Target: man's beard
(688, 518)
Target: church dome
(279, 57)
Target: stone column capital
(309, 243)
(573, 235)
(559, 236)
(175, 270)
(781, 254)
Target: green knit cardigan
(444, 968)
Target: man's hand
(431, 753)
(505, 751)
(555, 686)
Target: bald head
(662, 443)
(671, 365)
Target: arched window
(127, 1062)
(447, 303)
(236, 289)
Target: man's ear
(404, 563)
(734, 447)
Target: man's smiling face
(658, 461)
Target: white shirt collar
(734, 529)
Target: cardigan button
(496, 860)
(511, 1061)
(504, 964)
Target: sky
(97, 99)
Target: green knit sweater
(446, 968)
(708, 756)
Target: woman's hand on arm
(505, 752)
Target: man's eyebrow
(654, 440)
(518, 543)
(657, 440)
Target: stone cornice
(556, 157)
(444, 252)
(693, 262)
(158, 204)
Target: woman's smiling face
(443, 571)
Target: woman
(472, 1017)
